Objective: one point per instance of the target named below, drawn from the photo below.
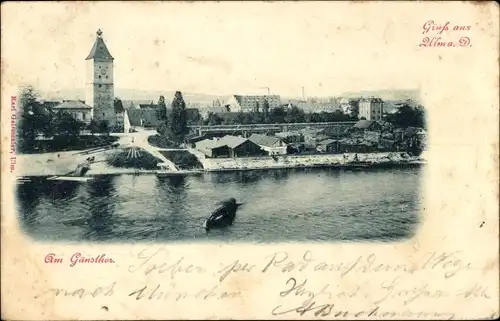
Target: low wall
(291, 161)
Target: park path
(140, 140)
(61, 163)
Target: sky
(225, 48)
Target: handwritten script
(304, 285)
(445, 34)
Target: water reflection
(101, 208)
(174, 189)
(39, 190)
(281, 205)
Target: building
(291, 136)
(319, 107)
(143, 117)
(217, 103)
(137, 104)
(126, 122)
(371, 108)
(212, 149)
(245, 103)
(366, 125)
(50, 104)
(271, 144)
(204, 111)
(328, 146)
(229, 146)
(77, 109)
(99, 93)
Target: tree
(93, 126)
(118, 105)
(277, 115)
(265, 110)
(255, 118)
(408, 116)
(294, 115)
(194, 117)
(104, 127)
(162, 109)
(354, 108)
(257, 106)
(66, 126)
(178, 123)
(163, 129)
(240, 118)
(34, 119)
(213, 119)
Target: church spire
(99, 50)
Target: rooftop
(228, 140)
(328, 141)
(363, 124)
(72, 104)
(99, 50)
(264, 140)
(372, 99)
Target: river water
(280, 205)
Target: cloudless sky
(224, 48)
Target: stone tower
(99, 82)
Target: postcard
(250, 160)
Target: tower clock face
(103, 71)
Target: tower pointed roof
(99, 50)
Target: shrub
(143, 160)
(162, 142)
(183, 159)
(65, 143)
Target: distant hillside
(387, 94)
(199, 98)
(133, 94)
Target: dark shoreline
(349, 167)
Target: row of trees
(406, 116)
(35, 119)
(173, 126)
(276, 115)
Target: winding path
(140, 140)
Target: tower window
(99, 76)
(100, 84)
(106, 77)
(103, 115)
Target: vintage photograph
(104, 163)
(288, 160)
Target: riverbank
(66, 163)
(348, 160)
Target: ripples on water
(280, 205)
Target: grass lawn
(162, 142)
(143, 160)
(183, 159)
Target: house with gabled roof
(272, 144)
(366, 125)
(328, 146)
(229, 146)
(77, 109)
